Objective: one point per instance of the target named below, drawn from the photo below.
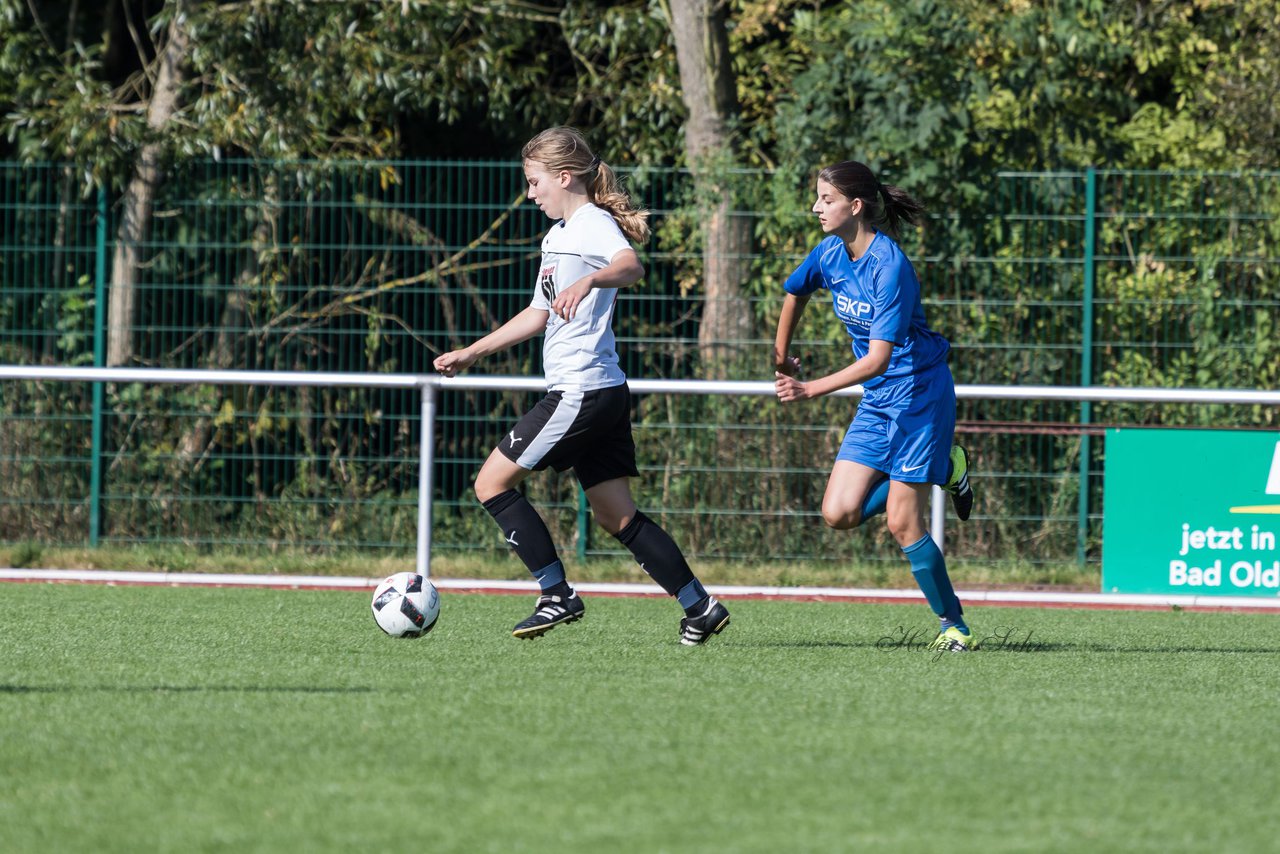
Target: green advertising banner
(1191, 511)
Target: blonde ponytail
(606, 192)
(565, 149)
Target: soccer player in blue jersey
(900, 441)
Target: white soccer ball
(406, 605)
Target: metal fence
(1070, 279)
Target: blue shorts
(904, 428)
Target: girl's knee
(906, 530)
(841, 519)
(611, 523)
(488, 485)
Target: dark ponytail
(888, 207)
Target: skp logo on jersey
(853, 310)
(1212, 531)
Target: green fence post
(1086, 358)
(584, 524)
(99, 357)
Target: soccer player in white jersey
(900, 441)
(584, 422)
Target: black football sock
(527, 534)
(657, 554)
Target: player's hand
(789, 389)
(789, 366)
(454, 361)
(566, 303)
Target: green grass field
(160, 719)
(498, 563)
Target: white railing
(430, 386)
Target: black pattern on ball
(411, 611)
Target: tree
(708, 89)
(162, 105)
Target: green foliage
(54, 105)
(26, 554)
(933, 94)
(43, 451)
(299, 79)
(335, 267)
(317, 248)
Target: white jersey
(580, 354)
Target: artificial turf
(161, 719)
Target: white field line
(1024, 598)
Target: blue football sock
(877, 499)
(691, 595)
(550, 576)
(954, 615)
(930, 571)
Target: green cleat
(958, 483)
(954, 640)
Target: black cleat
(550, 612)
(698, 630)
(958, 483)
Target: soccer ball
(406, 605)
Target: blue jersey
(876, 297)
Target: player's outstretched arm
(522, 327)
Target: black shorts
(589, 432)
